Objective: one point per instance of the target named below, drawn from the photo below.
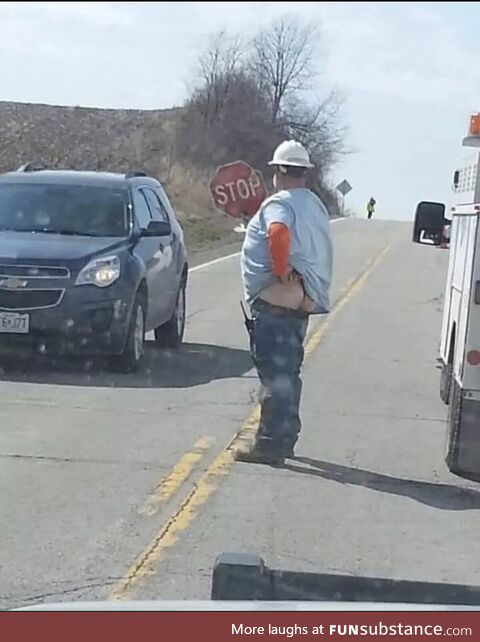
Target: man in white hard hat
(286, 272)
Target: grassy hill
(114, 140)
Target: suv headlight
(100, 272)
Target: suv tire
(170, 334)
(131, 357)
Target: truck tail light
(473, 358)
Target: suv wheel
(131, 357)
(170, 334)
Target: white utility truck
(460, 338)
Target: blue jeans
(276, 344)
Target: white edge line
(222, 258)
(232, 256)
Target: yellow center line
(176, 477)
(208, 482)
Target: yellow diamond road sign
(344, 187)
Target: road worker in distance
(371, 207)
(286, 264)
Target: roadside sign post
(344, 188)
(238, 190)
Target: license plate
(13, 323)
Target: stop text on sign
(240, 189)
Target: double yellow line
(181, 519)
(179, 474)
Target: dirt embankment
(114, 140)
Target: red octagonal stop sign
(237, 189)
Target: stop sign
(237, 189)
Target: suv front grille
(29, 299)
(34, 271)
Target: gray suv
(89, 262)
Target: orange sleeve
(279, 246)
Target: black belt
(261, 305)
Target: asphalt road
(124, 487)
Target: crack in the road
(187, 509)
(358, 415)
(22, 600)
(137, 411)
(220, 403)
(142, 562)
(70, 460)
(365, 358)
(196, 313)
(41, 404)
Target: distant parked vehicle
(89, 262)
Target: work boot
(289, 451)
(255, 455)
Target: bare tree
(318, 126)
(217, 66)
(282, 60)
(241, 129)
(243, 106)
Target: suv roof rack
(30, 167)
(136, 174)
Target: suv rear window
(63, 209)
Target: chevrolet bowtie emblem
(13, 284)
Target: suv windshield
(63, 209)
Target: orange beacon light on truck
(474, 129)
(473, 137)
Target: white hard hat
(291, 153)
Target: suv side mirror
(429, 223)
(157, 228)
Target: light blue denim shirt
(311, 250)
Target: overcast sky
(409, 72)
